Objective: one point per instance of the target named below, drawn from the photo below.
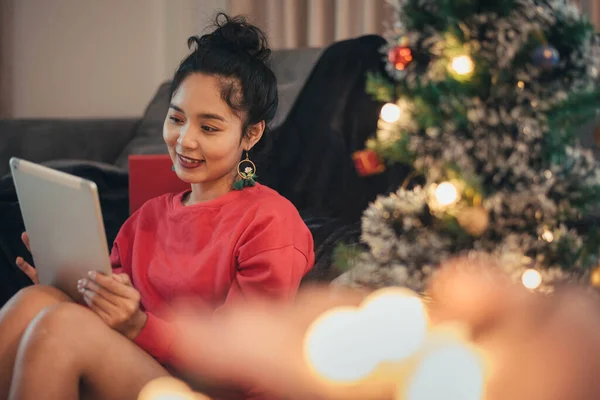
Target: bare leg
(15, 316)
(69, 348)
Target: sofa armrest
(41, 140)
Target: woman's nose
(187, 138)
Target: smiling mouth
(189, 159)
(188, 162)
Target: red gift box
(367, 162)
(151, 176)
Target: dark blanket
(309, 162)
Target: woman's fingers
(23, 265)
(527, 337)
(123, 278)
(97, 306)
(25, 239)
(96, 301)
(27, 269)
(84, 285)
(474, 292)
(117, 287)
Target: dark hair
(237, 52)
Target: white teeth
(191, 160)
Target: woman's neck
(206, 191)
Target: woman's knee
(29, 301)
(64, 332)
(63, 317)
(57, 326)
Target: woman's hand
(23, 265)
(541, 347)
(115, 300)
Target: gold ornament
(595, 277)
(474, 220)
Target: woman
(226, 239)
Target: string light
(390, 112)
(548, 236)
(531, 279)
(463, 65)
(521, 84)
(446, 194)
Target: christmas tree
(484, 99)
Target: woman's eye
(175, 119)
(209, 128)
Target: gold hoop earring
(246, 171)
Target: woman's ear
(253, 135)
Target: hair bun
(236, 34)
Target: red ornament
(400, 56)
(367, 162)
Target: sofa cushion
(148, 138)
(41, 140)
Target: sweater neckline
(177, 202)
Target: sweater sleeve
(275, 252)
(157, 338)
(157, 335)
(274, 274)
(121, 253)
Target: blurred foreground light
(168, 388)
(347, 344)
(397, 323)
(336, 349)
(450, 372)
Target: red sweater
(246, 243)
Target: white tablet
(63, 219)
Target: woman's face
(202, 133)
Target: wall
(592, 9)
(92, 58)
(74, 58)
(6, 23)
(184, 18)
(103, 58)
